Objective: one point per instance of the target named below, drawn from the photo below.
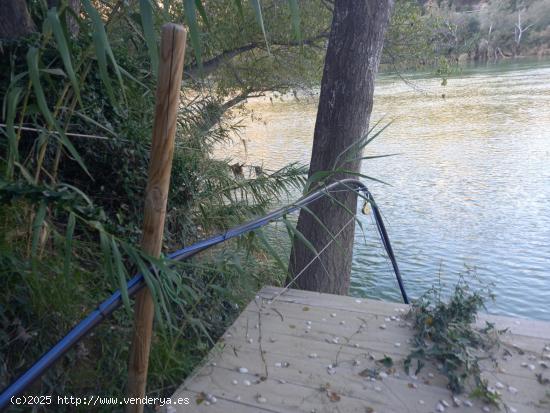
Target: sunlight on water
(470, 188)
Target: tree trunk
(345, 104)
(15, 20)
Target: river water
(469, 189)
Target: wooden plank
(288, 343)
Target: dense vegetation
(491, 29)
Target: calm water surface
(470, 188)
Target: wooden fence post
(172, 50)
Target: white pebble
(335, 340)
(377, 388)
(238, 398)
(281, 381)
(420, 401)
(431, 375)
(512, 409)
(243, 370)
(246, 382)
(213, 364)
(486, 409)
(445, 403)
(261, 399)
(308, 323)
(331, 371)
(356, 362)
(468, 403)
(512, 389)
(356, 345)
(531, 367)
(358, 301)
(382, 326)
(499, 385)
(333, 315)
(235, 382)
(342, 322)
(439, 407)
(456, 401)
(313, 356)
(382, 375)
(397, 344)
(387, 319)
(278, 364)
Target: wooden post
(172, 50)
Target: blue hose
(138, 282)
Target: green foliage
(444, 334)
(78, 110)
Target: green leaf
(121, 273)
(69, 244)
(295, 14)
(194, 34)
(259, 18)
(34, 74)
(37, 224)
(149, 33)
(103, 50)
(202, 12)
(63, 49)
(13, 152)
(293, 232)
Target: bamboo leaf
(293, 232)
(34, 74)
(63, 49)
(69, 244)
(259, 18)
(13, 152)
(37, 224)
(121, 273)
(194, 34)
(202, 12)
(103, 50)
(146, 12)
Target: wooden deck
(310, 352)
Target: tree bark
(345, 104)
(15, 20)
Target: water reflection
(470, 188)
